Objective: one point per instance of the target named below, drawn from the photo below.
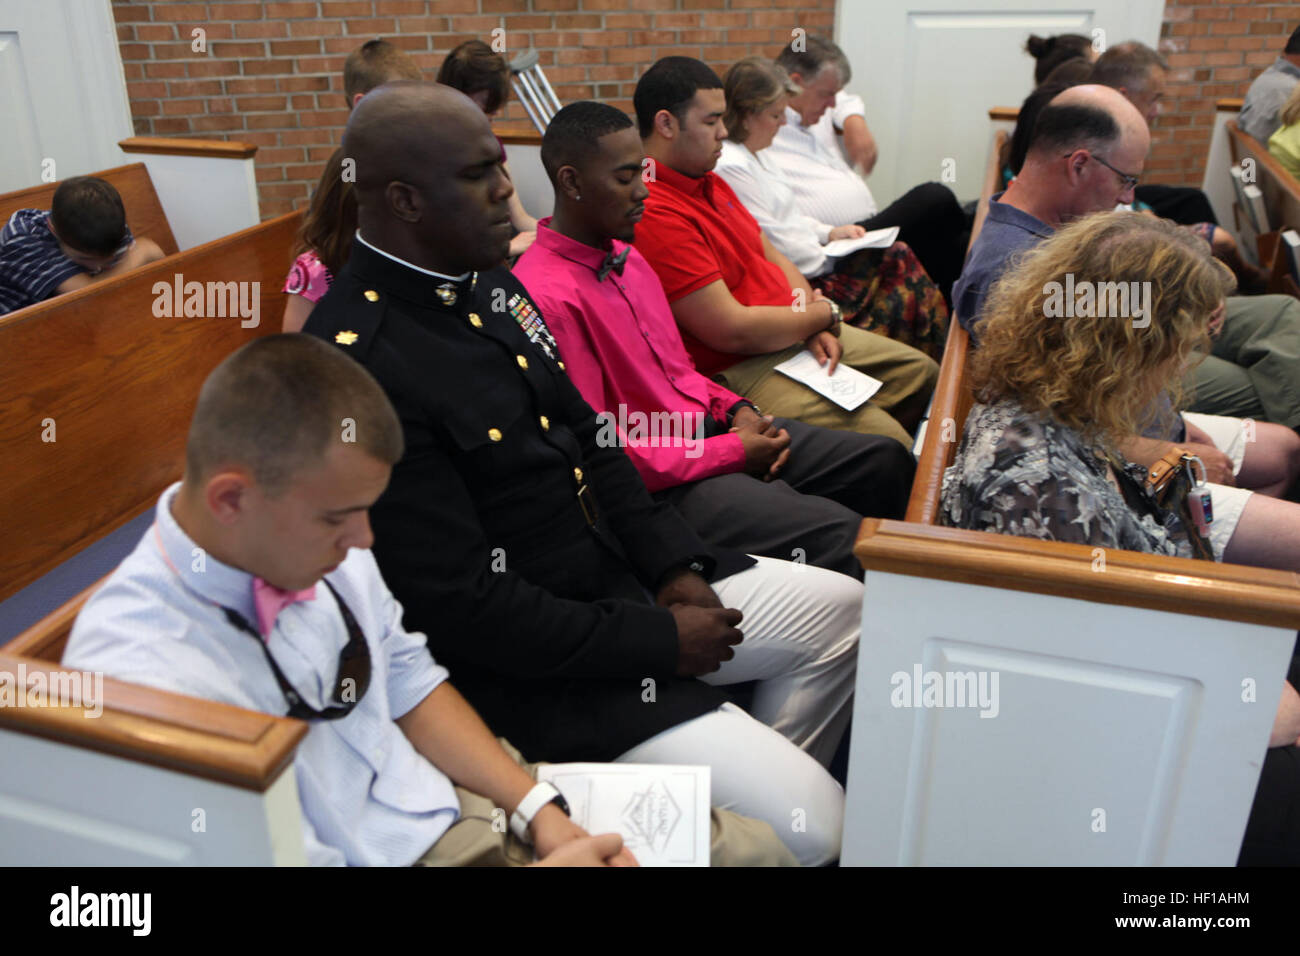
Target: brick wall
(1214, 50)
(272, 73)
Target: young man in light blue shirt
(255, 587)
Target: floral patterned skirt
(887, 291)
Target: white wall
(930, 69)
(62, 91)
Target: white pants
(801, 629)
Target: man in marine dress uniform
(576, 612)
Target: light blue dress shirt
(368, 797)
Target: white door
(62, 92)
(930, 69)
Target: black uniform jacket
(522, 548)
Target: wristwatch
(837, 318)
(532, 803)
(743, 403)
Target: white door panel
(930, 69)
(62, 92)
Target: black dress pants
(812, 513)
(1183, 204)
(1273, 828)
(930, 220)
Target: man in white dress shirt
(255, 587)
(827, 188)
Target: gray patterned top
(1026, 474)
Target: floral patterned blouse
(1026, 474)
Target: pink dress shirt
(620, 345)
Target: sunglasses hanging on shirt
(353, 672)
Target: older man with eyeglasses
(1090, 146)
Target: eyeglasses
(353, 675)
(1128, 181)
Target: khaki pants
(894, 411)
(474, 840)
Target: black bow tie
(614, 262)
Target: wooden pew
(948, 407)
(132, 775)
(144, 212)
(1086, 706)
(1126, 675)
(944, 404)
(114, 385)
(1281, 191)
(1001, 115)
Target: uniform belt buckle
(588, 503)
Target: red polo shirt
(696, 231)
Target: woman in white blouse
(881, 290)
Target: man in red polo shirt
(743, 307)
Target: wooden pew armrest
(210, 148)
(188, 735)
(1109, 576)
(948, 410)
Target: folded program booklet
(660, 810)
(874, 239)
(847, 388)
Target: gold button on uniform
(494, 434)
(546, 423)
(577, 474)
(475, 321)
(523, 362)
(371, 295)
(561, 364)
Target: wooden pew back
(144, 213)
(1281, 191)
(123, 760)
(1049, 704)
(948, 409)
(97, 392)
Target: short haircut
(88, 215)
(670, 84)
(1293, 43)
(474, 67)
(1065, 128)
(277, 405)
(1127, 65)
(573, 131)
(373, 64)
(752, 85)
(1051, 52)
(817, 52)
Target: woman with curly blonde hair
(1067, 370)
(1064, 383)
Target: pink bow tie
(270, 601)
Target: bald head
(1112, 102)
(429, 182)
(1086, 152)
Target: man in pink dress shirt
(767, 486)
